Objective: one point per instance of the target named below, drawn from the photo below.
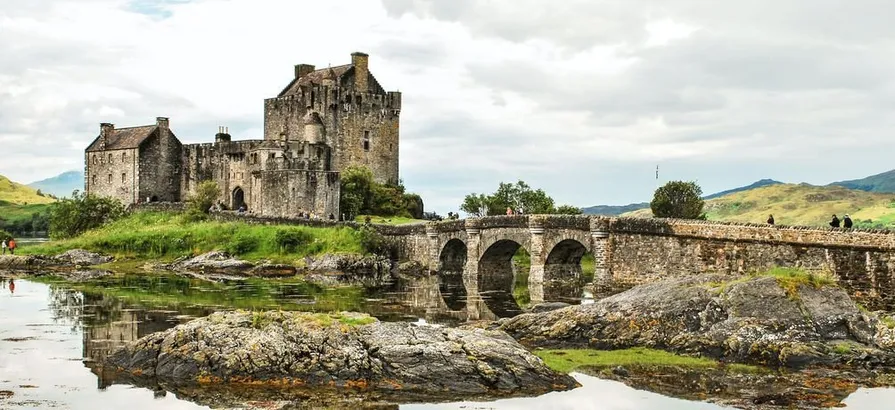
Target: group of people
(9, 244)
(835, 222)
(510, 211)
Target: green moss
(569, 359)
(159, 235)
(789, 279)
(888, 321)
(843, 348)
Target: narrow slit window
(366, 140)
(123, 178)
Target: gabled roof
(316, 77)
(124, 138)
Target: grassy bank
(568, 360)
(157, 235)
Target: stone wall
(113, 174)
(645, 250)
(290, 192)
(159, 166)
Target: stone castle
(323, 122)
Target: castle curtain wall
(288, 192)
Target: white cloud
(581, 97)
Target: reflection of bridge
(475, 255)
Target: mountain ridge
(61, 185)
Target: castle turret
(314, 132)
(360, 62)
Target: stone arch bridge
(473, 256)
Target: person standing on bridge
(846, 222)
(509, 211)
(835, 222)
(770, 219)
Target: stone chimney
(105, 132)
(360, 61)
(164, 132)
(302, 70)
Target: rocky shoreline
(347, 350)
(326, 270)
(735, 319)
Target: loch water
(54, 335)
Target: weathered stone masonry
(323, 122)
(630, 251)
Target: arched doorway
(563, 281)
(496, 278)
(238, 199)
(452, 262)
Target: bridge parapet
(750, 232)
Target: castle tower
(359, 118)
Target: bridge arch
(563, 279)
(451, 264)
(496, 277)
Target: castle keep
(323, 122)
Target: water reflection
(54, 338)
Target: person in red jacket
(12, 246)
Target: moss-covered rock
(758, 319)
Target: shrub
(373, 242)
(206, 195)
(289, 239)
(71, 217)
(241, 244)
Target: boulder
(351, 268)
(16, 262)
(216, 261)
(348, 351)
(81, 257)
(749, 319)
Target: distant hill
(614, 210)
(61, 185)
(884, 182)
(12, 193)
(799, 204)
(757, 184)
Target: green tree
(207, 193)
(360, 194)
(568, 210)
(515, 196)
(475, 205)
(678, 199)
(72, 216)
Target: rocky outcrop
(80, 257)
(15, 262)
(350, 268)
(751, 319)
(351, 351)
(213, 262)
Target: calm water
(53, 334)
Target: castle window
(110, 158)
(110, 178)
(123, 177)
(366, 140)
(123, 156)
(94, 176)
(273, 155)
(94, 159)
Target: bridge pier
(538, 260)
(434, 250)
(599, 232)
(474, 299)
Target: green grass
(18, 194)
(158, 235)
(388, 220)
(567, 360)
(796, 204)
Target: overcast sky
(580, 98)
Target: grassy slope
(155, 235)
(793, 204)
(18, 194)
